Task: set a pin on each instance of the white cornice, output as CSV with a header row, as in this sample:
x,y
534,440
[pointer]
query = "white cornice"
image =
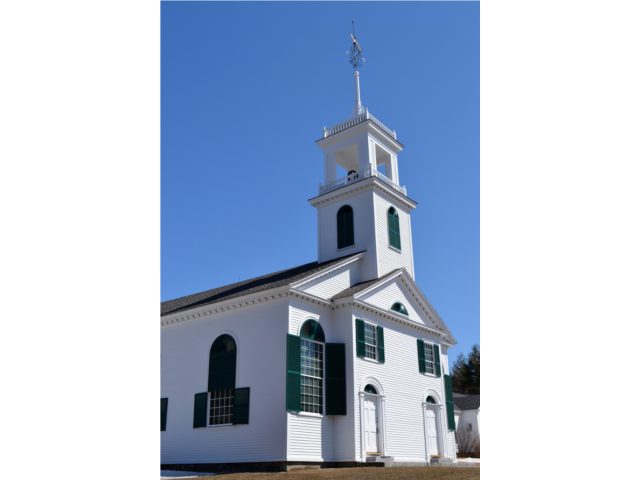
x,y
289,291
372,183
243,301
387,315
226,305
310,298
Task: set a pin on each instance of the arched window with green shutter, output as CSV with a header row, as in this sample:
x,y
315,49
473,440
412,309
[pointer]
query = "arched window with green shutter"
x,y
345,227
400,308
222,404
394,227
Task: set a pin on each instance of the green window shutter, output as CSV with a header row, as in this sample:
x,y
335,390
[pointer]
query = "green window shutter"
x,y
448,390
421,363
359,337
336,380
200,410
293,374
436,351
380,344
393,222
163,414
241,406
392,227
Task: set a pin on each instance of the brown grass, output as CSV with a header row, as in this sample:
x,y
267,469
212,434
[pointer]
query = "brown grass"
x,y
363,473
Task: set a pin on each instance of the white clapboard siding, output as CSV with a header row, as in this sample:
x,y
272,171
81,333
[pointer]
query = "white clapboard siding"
x,y
404,388
260,332
310,437
364,232
328,285
389,258
344,426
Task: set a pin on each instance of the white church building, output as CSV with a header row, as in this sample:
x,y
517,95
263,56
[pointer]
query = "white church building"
x,y
338,362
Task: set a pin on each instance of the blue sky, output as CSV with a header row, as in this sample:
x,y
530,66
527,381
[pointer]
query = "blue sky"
x,y
246,90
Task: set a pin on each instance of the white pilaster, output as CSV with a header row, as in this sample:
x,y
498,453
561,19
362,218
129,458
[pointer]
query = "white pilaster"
x,y
391,167
363,452
329,168
372,154
366,154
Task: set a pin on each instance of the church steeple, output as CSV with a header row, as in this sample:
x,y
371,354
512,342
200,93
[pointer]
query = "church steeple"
x,y
364,209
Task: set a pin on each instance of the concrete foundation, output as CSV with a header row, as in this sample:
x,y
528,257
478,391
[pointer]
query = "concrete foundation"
x,y
289,466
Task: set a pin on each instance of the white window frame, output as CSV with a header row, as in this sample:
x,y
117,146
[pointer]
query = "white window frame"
x,y
209,424
433,355
303,412
375,341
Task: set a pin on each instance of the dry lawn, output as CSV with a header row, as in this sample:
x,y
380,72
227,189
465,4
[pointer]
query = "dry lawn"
x,y
362,473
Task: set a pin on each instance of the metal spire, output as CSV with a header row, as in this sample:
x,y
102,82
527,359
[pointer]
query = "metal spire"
x,y
356,60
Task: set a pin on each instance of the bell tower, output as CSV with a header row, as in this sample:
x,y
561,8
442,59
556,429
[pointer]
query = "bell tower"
x,y
364,209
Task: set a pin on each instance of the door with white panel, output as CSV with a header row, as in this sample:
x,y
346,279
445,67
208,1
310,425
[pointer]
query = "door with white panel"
x,y
371,424
432,431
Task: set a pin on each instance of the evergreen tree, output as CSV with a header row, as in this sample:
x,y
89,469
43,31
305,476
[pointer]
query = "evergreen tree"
x,y
465,376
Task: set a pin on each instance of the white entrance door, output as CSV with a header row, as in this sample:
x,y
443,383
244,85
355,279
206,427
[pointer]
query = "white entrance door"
x,y
370,425
432,432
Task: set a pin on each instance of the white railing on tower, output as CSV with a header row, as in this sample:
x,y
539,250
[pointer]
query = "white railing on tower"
x,y
344,125
356,177
354,121
379,123
390,182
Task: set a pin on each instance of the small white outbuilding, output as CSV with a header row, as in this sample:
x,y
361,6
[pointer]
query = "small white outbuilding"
x,y
334,362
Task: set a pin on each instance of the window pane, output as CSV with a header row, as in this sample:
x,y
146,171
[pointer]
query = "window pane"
x,y
312,368
369,341
428,357
221,407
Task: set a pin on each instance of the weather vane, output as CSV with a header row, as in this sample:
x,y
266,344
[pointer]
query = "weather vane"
x,y
355,55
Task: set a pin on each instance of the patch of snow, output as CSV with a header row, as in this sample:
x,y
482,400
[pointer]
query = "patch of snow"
x,y
168,474
469,460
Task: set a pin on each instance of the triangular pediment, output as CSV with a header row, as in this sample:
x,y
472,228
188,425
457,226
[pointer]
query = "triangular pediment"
x,y
400,287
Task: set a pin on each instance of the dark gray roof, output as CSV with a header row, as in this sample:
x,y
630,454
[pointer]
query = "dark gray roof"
x,y
246,287
466,402
358,287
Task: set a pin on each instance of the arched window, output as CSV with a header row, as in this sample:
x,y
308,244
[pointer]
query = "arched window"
x,y
430,399
345,227
222,381
312,330
222,364
398,307
394,228
370,389
311,366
